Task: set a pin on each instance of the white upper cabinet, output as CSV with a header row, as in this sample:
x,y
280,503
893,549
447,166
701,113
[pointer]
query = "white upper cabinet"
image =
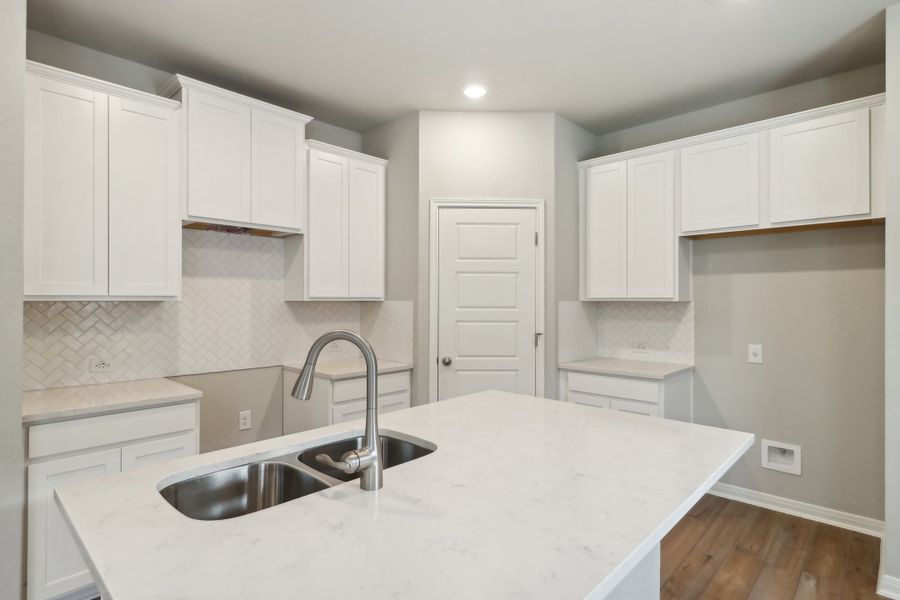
x,y
245,158
101,192
341,256
144,216
278,175
819,168
65,231
630,249
651,226
604,218
720,184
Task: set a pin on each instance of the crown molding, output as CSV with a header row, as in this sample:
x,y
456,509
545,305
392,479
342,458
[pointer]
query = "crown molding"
x,y
317,145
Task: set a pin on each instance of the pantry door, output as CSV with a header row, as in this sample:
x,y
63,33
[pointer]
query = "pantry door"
x,y
487,300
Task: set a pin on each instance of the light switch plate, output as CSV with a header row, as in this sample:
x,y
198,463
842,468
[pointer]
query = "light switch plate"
x,y
754,354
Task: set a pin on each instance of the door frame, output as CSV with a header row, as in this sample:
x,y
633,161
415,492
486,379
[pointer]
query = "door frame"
x,y
437,204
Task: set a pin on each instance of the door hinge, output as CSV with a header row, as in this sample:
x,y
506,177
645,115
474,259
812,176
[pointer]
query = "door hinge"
x,y
535,238
537,337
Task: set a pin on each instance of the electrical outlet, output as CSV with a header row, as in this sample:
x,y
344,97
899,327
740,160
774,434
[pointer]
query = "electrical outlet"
x,y
100,365
244,420
754,354
639,347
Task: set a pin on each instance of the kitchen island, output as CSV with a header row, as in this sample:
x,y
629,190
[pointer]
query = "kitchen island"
x,y
524,497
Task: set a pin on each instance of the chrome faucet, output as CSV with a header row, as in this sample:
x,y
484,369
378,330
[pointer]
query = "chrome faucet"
x,y
367,460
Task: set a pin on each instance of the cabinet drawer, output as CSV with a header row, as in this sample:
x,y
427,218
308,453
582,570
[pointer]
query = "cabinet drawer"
x,y
355,389
357,410
157,451
638,408
619,387
118,428
588,399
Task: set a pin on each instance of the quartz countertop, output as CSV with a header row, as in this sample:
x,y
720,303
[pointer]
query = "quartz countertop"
x,y
348,368
523,498
645,369
88,400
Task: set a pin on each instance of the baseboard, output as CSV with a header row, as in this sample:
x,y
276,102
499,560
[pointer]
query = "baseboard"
x,y
812,512
889,587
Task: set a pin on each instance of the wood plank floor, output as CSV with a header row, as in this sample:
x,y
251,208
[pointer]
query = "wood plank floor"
x,y
727,550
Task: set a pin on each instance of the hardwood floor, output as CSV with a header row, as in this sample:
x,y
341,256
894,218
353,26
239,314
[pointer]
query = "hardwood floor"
x,y
727,550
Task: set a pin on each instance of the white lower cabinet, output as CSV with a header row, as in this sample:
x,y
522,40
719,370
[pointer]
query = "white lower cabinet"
x,y
55,567
670,398
340,401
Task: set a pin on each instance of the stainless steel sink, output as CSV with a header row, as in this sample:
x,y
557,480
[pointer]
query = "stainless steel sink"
x,y
394,451
241,490
245,489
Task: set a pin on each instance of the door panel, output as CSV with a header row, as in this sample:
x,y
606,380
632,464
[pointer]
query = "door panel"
x,y
219,166
327,232
651,226
66,179
144,220
277,170
366,230
487,261
605,236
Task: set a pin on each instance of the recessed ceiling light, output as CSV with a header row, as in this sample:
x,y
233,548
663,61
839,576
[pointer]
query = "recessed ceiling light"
x,y
475,91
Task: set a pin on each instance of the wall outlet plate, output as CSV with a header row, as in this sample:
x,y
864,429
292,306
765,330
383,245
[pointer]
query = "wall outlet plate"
x,y
754,354
100,365
780,456
244,420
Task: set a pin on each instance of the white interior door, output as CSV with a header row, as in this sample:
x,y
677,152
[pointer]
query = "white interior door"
x,y
487,300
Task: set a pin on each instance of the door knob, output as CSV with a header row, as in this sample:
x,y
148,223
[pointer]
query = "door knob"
x,y
446,361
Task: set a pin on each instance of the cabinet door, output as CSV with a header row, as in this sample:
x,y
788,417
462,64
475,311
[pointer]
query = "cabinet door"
x,y
157,451
366,230
65,226
55,564
218,158
820,168
651,226
326,234
277,170
604,242
720,184
144,218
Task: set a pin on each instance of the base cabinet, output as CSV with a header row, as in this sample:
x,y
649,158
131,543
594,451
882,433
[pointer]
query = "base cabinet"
x,y
670,398
56,568
340,401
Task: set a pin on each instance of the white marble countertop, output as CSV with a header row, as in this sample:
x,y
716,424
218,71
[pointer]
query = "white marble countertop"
x,y
644,369
336,369
88,400
523,498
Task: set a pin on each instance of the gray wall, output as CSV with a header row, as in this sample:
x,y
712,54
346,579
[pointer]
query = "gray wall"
x,y
815,301
891,562
226,394
87,61
398,142
477,155
804,96
12,474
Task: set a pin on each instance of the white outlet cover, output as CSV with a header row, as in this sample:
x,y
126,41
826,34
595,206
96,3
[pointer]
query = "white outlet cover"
x,y
244,420
99,365
755,354
781,456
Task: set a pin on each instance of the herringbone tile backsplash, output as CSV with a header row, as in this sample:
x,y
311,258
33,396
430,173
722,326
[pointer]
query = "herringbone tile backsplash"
x,y
231,316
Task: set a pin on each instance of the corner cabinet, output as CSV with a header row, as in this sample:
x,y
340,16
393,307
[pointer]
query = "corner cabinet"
x,y
102,217
629,244
341,255
244,159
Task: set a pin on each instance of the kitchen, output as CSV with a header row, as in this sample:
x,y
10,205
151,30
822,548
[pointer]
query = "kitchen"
x,y
528,264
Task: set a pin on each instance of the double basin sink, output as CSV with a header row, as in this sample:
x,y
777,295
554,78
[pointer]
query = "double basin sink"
x,y
244,489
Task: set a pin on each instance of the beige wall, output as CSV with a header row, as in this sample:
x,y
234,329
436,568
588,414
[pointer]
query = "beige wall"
x,y
815,301
228,393
12,474
87,61
891,562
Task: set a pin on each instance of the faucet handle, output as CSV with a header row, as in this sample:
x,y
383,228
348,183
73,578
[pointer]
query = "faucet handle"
x,y
349,462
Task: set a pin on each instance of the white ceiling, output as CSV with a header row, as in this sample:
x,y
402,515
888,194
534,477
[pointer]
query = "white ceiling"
x,y
605,64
